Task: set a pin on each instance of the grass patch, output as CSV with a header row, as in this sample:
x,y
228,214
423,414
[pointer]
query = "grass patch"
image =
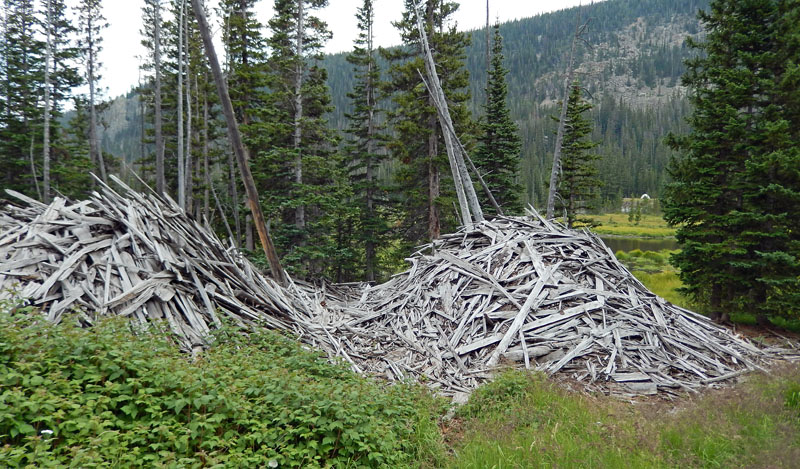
x,y
71,397
523,420
617,224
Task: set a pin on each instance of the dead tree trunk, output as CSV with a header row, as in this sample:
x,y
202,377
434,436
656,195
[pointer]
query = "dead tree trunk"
x,y
94,143
46,130
236,140
300,218
206,169
551,195
181,163
159,135
465,191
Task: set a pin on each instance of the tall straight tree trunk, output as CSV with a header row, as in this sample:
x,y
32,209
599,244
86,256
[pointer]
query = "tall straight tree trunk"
x,y
236,140
159,135
562,120
488,55
189,163
300,217
465,190
181,163
233,192
94,142
434,189
369,247
206,171
46,130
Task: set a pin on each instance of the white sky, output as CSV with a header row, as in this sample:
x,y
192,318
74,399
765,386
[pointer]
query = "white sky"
x,y
121,45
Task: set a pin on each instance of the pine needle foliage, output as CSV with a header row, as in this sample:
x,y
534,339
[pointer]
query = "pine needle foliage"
x,y
579,184
498,153
735,195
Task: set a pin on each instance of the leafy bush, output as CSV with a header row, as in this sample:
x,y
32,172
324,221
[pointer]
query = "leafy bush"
x,y
495,396
71,397
636,253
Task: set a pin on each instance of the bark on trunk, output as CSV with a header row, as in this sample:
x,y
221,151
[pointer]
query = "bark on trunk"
x,y
551,195
300,217
467,197
159,136
181,163
236,140
206,170
46,130
94,144
369,246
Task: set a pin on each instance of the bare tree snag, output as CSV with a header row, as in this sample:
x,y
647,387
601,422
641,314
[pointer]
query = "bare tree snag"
x,y
181,163
159,134
465,190
300,217
238,147
551,195
46,143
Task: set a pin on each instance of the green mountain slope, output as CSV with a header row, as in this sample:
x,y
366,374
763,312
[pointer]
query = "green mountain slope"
x,y
630,66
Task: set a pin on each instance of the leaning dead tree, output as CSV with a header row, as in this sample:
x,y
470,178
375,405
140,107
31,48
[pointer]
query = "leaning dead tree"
x,y
551,196
238,147
465,190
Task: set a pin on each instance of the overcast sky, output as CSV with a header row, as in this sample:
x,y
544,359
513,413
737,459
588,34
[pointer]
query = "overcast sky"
x,y
122,39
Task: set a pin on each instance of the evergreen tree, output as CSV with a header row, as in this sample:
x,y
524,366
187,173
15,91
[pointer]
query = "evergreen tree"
x,y
309,180
422,169
735,190
22,88
92,24
579,184
366,139
246,63
498,154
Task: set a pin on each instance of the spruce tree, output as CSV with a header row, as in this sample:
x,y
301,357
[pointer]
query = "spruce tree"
x,y
92,24
22,85
735,187
771,202
366,138
425,187
579,184
308,184
498,153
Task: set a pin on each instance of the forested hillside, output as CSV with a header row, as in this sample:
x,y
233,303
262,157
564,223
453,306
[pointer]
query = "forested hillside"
x,y
631,65
361,160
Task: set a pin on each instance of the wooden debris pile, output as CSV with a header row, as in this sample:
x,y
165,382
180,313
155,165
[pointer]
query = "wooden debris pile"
x,y
141,257
527,291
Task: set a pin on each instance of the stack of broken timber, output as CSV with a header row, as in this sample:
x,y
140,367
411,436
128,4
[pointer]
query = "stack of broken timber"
x,y
529,291
141,257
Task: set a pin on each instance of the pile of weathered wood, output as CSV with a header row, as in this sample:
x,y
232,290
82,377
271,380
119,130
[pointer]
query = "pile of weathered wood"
x,y
140,256
528,291
520,291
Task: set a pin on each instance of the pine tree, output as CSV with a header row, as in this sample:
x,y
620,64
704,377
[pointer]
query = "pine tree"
x,y
423,175
22,85
246,63
366,139
579,184
309,180
92,24
498,154
734,195
771,202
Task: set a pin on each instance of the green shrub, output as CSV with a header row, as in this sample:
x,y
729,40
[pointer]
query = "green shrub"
x,y
101,397
636,253
621,255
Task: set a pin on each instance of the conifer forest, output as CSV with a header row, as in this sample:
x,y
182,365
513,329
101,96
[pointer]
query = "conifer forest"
x,y
423,211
